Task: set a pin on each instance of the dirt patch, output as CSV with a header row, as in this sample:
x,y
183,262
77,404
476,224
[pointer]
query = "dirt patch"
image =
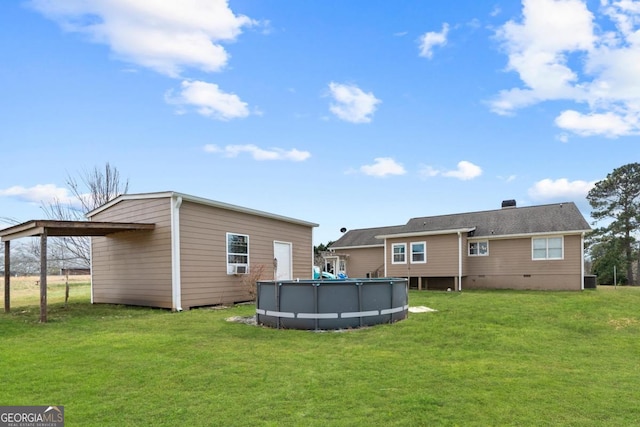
x,y
622,323
246,320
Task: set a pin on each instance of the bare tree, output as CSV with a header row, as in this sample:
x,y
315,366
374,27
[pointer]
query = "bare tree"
x,y
93,189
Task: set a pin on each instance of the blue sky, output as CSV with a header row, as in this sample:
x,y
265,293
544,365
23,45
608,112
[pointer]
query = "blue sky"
x,y
346,113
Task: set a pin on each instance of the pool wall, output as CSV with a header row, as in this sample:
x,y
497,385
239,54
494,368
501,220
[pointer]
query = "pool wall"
x,y
331,304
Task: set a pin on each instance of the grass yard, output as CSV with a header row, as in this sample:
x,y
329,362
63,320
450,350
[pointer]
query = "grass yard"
x,y
485,358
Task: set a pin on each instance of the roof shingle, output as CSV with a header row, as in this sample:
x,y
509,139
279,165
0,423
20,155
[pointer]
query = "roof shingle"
x,y
552,218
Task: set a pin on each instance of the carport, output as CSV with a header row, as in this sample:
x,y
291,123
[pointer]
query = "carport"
x,y
53,228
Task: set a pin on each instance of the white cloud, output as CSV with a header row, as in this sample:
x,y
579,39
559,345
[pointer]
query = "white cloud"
x,y
258,153
429,171
166,36
432,39
351,103
560,189
560,53
509,178
208,100
383,166
608,124
41,193
465,171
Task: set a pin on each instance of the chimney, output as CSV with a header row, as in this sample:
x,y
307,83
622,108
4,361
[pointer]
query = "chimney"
x,y
511,203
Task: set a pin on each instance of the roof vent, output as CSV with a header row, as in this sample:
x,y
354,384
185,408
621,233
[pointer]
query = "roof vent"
x,y
508,204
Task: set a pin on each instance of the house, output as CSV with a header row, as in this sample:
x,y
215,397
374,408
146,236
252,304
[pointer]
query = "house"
x,y
534,247
197,254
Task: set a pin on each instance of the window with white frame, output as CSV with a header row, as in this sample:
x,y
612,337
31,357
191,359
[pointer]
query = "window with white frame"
x,y
547,248
399,251
418,252
479,248
237,253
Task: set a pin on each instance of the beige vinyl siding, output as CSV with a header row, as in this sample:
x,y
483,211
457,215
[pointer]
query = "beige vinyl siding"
x,y
134,267
362,261
510,265
442,257
203,243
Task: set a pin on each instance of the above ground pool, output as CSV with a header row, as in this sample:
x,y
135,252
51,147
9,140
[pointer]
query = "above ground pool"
x,y
331,304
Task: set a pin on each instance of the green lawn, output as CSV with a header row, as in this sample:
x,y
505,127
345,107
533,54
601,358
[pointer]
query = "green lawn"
x,y
485,358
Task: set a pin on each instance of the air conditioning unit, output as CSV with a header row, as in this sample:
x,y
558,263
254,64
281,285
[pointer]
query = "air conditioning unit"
x,y
239,269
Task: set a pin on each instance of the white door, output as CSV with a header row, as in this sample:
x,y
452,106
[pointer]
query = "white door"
x,y
282,260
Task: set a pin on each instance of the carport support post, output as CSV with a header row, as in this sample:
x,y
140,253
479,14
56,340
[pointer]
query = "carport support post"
x,y
7,277
43,277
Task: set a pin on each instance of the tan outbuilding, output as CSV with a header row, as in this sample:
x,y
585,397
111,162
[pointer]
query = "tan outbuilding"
x,y
196,255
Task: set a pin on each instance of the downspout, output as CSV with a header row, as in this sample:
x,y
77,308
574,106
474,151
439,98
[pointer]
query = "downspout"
x,y
385,258
582,261
459,261
176,288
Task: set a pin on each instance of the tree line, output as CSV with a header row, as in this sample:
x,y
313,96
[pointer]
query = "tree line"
x,y
614,246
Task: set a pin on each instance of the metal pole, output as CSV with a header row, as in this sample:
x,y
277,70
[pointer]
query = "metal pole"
x,y
359,287
43,277
277,289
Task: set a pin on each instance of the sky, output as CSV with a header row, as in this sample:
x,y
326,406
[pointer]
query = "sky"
x,y
351,114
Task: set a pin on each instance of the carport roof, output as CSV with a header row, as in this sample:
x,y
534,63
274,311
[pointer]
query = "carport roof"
x,y
56,228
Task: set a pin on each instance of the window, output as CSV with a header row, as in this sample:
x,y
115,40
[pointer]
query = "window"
x,y
547,248
418,252
480,248
237,253
399,253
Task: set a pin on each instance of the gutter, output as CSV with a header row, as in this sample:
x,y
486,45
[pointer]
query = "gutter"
x,y
426,233
582,261
459,261
176,286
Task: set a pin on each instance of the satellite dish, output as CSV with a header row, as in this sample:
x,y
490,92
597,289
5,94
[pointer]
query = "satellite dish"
x,y
343,230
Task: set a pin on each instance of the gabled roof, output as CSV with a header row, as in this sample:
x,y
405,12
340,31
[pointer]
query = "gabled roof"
x,y
199,200
562,218
363,237
559,217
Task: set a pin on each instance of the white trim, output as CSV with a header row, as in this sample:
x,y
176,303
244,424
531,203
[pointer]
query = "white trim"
x,y
424,244
425,233
469,242
527,235
201,201
230,264
176,285
332,248
393,254
554,236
